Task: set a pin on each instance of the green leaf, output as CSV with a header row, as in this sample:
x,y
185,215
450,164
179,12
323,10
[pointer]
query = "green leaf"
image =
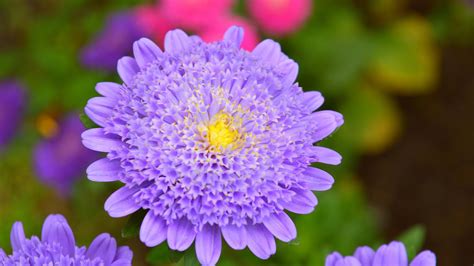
x,y
86,121
190,258
132,228
413,239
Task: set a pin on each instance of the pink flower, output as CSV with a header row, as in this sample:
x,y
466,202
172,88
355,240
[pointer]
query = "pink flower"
x,y
215,31
150,18
280,17
195,14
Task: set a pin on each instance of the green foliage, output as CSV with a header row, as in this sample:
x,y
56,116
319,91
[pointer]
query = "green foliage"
x,y
413,239
132,228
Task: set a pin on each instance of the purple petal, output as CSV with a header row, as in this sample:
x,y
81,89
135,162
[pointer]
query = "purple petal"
x,y
392,254
145,51
17,236
104,247
122,262
121,202
153,230
325,155
99,109
281,226
268,51
303,202
327,122
332,259
365,255
317,179
234,35
97,140
123,253
109,89
127,68
292,73
177,41
312,100
3,255
425,258
262,243
181,234
104,170
235,236
348,261
57,230
208,245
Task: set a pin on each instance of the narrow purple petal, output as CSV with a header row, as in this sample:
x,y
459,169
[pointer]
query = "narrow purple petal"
x,y
425,258
176,41
391,254
99,109
3,255
181,234
124,253
325,155
153,230
104,247
268,51
262,243
365,255
109,89
333,258
122,262
208,245
97,140
281,226
234,35
17,236
317,179
349,261
121,202
127,68
303,202
235,236
292,68
145,51
57,230
327,122
104,170
312,100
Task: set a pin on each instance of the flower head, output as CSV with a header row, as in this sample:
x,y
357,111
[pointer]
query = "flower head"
x,y
280,17
213,140
12,103
393,254
194,14
57,246
113,42
61,158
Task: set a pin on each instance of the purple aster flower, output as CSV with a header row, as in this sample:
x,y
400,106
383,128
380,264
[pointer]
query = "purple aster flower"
x,y
12,103
115,40
61,159
393,254
213,140
57,246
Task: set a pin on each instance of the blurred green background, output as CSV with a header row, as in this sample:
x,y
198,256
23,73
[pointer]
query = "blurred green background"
x,y
401,72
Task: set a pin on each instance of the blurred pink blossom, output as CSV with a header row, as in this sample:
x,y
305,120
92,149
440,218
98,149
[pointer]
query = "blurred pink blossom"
x,y
151,20
215,31
195,14
280,17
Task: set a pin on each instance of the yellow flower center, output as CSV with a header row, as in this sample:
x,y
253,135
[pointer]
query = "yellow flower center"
x,y
221,133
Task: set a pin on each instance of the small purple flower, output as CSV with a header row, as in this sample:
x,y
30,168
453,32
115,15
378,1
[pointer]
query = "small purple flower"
x,y
393,254
213,140
57,246
61,159
12,103
113,42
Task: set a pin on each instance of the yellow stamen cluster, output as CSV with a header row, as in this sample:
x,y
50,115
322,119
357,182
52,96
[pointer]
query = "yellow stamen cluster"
x,y
221,132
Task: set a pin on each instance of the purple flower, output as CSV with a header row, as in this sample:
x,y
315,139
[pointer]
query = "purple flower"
x,y
393,254
12,103
61,159
57,246
213,140
115,40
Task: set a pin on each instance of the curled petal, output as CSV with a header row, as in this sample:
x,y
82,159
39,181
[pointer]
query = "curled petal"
x,y
332,259
121,202
177,41
145,51
208,245
235,236
393,253
104,170
109,89
124,254
262,243
317,179
348,261
425,258
127,68
180,235
153,230
234,35
325,155
268,51
327,121
303,202
281,226
103,247
57,230
97,140
365,255
312,100
99,110
17,236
